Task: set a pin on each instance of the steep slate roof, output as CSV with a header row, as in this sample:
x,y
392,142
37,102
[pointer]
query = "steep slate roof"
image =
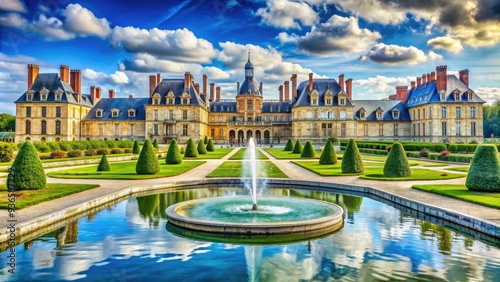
x,y
122,104
249,87
52,82
276,107
371,106
321,85
177,87
417,96
223,107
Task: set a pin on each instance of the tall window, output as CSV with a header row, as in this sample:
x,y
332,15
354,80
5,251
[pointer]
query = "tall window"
x,y
430,112
430,128
171,114
443,128
249,105
221,133
28,111
44,127
184,114
473,112
458,127
443,112
342,114
458,111
423,129
418,129
212,133
328,101
170,101
58,127
28,127
44,111
473,128
58,111
343,129
185,101
184,129
87,128
101,129
132,130
381,130
117,129
418,113
155,129
396,133
156,114
365,129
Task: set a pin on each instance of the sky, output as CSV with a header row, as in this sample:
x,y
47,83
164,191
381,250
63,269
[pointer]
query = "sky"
x,y
381,44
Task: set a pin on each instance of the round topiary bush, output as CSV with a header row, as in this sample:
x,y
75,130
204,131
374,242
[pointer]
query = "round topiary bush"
x,y
210,145
202,150
396,164
308,151
174,155
191,151
103,164
155,144
484,172
289,145
328,155
297,149
27,172
136,150
351,161
147,162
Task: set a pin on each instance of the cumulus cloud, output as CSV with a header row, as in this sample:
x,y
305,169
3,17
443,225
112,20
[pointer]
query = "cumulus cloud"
x,y
83,22
378,87
13,20
119,77
446,43
395,54
51,28
288,14
234,55
286,38
337,35
489,94
13,6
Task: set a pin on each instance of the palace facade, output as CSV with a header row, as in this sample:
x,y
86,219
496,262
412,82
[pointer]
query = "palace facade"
x,y
438,107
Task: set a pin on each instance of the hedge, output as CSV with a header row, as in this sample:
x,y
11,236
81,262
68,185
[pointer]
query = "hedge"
x,y
289,145
6,152
210,145
174,155
328,155
27,172
396,164
136,150
191,150
351,160
308,151
147,162
484,172
47,147
202,150
297,149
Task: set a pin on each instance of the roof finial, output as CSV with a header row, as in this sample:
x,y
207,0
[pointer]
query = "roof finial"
x,y
249,55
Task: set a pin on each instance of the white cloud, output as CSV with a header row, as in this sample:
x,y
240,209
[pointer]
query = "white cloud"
x,y
83,22
13,6
51,29
288,14
378,87
447,43
395,54
234,55
489,94
286,38
13,20
119,77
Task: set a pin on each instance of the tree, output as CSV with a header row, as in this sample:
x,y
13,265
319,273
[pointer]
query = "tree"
x,y
147,162
396,164
103,164
7,122
308,151
191,150
210,145
137,149
289,145
6,152
297,149
202,150
205,140
484,172
27,171
155,144
328,156
351,161
174,155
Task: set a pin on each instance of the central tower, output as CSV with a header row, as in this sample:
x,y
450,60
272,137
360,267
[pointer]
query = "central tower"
x,y
249,98
249,86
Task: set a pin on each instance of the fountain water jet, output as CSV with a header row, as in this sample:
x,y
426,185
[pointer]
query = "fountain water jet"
x,y
253,170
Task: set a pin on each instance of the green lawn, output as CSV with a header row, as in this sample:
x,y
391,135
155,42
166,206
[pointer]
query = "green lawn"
x,y
285,155
377,158
331,170
68,159
461,192
462,169
26,198
219,153
240,155
125,170
234,169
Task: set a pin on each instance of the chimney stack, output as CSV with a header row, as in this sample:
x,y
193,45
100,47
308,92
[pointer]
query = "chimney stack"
x,y
205,85
412,84
260,88
130,96
111,94
152,85
464,76
428,77
280,89
93,95
310,81
402,93
294,87
442,73
32,74
286,96
187,80
217,98
212,91
98,93
76,80
419,81
348,88
197,87
433,76
158,79
424,78
341,81
64,73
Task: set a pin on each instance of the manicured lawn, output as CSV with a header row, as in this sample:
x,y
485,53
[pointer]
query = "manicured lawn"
x,y
26,198
416,174
461,192
240,155
376,158
69,159
285,155
332,170
125,170
462,169
234,169
217,154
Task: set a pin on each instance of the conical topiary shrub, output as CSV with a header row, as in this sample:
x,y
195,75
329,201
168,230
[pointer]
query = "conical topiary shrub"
x,y
147,162
328,156
202,150
210,145
174,155
103,164
396,164
191,151
136,150
351,161
205,140
484,172
308,151
289,145
297,149
27,172
155,144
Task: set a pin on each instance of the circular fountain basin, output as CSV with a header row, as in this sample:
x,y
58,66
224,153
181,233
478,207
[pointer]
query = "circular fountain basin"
x,y
276,215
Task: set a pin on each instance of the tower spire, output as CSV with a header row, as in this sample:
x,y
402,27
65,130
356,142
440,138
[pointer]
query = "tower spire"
x,y
249,55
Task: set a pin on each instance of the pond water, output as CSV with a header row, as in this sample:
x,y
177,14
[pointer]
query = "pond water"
x,y
130,242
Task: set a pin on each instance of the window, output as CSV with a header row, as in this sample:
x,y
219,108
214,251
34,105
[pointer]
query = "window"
x,y
156,114
98,113
342,114
443,128
58,127
44,111
443,112
473,128
184,114
309,114
114,113
212,119
414,130
430,128
170,101
44,127
101,129
458,127
343,129
395,114
430,112
29,97
423,129
457,97
380,130
43,96
185,101
365,129
362,114
58,96
155,129
184,129
418,113
74,112
58,112
156,101
171,114
328,101
131,113
379,114
314,101
472,112
132,130
28,127
342,101
249,105
458,112
443,96
220,118
418,129
117,129
471,96
221,133
330,115
396,129
87,128
28,111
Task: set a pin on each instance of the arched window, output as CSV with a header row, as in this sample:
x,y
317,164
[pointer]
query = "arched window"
x,y
249,105
58,127
323,114
28,127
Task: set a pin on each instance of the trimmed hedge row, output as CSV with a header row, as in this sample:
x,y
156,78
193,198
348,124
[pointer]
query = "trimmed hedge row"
x,y
48,147
418,146
373,151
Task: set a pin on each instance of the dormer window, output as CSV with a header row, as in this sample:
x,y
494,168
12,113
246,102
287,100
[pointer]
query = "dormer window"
x,y
115,112
342,101
395,114
170,101
156,99
58,94
29,95
131,113
342,98
185,98
362,113
380,114
98,113
328,98
456,94
470,95
314,98
170,98
43,94
442,95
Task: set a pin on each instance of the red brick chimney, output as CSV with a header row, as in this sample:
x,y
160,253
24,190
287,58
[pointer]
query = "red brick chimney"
x,y
98,93
197,87
158,78
205,84
217,90
212,91
428,77
419,81
442,73
93,95
76,80
111,94
130,96
187,80
294,87
64,73
152,85
433,76
310,81
286,95
32,74
412,84
464,76
424,78
402,93
280,89
341,81
348,88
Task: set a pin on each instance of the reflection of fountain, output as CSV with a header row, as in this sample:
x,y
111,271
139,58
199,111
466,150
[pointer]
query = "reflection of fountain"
x,y
253,256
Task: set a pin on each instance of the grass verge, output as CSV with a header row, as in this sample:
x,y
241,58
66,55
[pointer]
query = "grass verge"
x,y
462,169
416,174
286,155
219,153
240,155
331,170
235,169
461,192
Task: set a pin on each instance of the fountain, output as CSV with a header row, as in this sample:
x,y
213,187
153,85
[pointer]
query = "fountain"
x,y
241,215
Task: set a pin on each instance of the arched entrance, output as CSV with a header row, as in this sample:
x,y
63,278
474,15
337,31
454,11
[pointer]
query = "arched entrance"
x,y
232,136
241,136
266,137
257,136
249,135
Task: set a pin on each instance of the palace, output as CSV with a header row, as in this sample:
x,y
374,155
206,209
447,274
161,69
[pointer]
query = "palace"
x,y
438,107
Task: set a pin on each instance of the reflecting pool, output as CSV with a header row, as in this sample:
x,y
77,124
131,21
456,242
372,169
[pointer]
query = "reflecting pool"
x,y
130,241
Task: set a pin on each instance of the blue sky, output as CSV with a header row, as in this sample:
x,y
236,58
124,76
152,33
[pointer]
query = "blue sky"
x,y
378,43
